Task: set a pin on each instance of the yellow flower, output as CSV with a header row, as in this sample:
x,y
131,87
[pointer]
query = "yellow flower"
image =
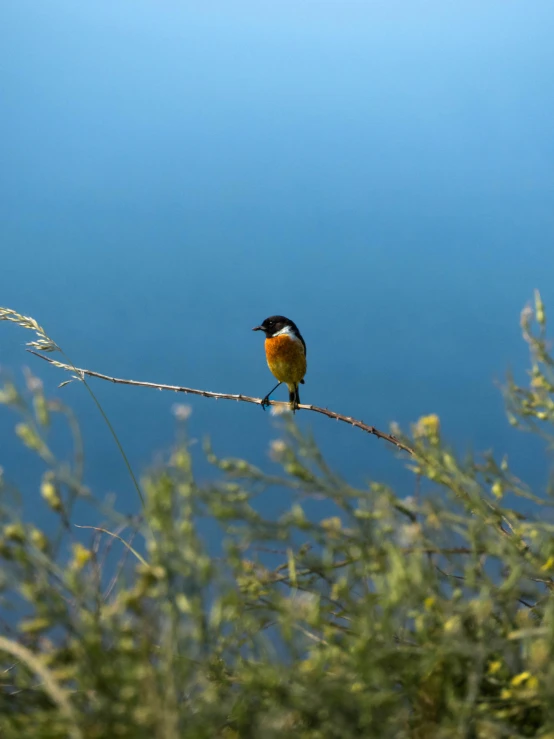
x,y
428,427
331,524
521,678
539,309
81,555
50,494
452,625
497,489
530,682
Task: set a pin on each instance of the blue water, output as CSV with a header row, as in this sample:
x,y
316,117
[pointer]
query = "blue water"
x,y
172,173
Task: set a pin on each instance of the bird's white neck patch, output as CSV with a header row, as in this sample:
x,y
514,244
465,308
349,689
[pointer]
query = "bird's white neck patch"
x,y
287,331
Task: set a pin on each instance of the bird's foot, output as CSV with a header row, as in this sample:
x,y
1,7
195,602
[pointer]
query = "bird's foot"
x,y
265,402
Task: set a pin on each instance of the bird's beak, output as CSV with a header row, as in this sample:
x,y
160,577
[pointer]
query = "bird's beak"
x,y
258,328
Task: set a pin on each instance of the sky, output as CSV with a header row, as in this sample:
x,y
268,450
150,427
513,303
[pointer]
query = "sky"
x,y
172,173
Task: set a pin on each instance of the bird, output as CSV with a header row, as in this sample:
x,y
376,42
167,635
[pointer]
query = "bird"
x,y
285,351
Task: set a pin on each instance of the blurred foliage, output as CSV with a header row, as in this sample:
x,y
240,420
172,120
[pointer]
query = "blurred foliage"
x,y
428,616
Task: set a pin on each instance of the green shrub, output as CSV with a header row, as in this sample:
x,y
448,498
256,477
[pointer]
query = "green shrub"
x,y
429,616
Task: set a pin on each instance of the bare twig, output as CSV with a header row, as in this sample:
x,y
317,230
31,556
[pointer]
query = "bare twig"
x,y
227,396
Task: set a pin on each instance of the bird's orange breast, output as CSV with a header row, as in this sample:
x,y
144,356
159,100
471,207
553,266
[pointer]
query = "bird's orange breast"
x,y
286,358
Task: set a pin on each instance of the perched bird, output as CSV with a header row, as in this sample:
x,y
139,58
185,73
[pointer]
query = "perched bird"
x,y
285,351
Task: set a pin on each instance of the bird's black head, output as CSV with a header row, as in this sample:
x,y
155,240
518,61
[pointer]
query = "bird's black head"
x,y
274,324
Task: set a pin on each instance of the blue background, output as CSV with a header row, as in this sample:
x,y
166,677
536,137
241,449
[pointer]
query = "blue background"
x,y
174,172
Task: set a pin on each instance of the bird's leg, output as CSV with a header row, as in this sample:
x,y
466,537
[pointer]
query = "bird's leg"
x,y
294,397
265,401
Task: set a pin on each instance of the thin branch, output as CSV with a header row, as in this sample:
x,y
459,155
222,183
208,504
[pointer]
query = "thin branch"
x,y
227,396
116,536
